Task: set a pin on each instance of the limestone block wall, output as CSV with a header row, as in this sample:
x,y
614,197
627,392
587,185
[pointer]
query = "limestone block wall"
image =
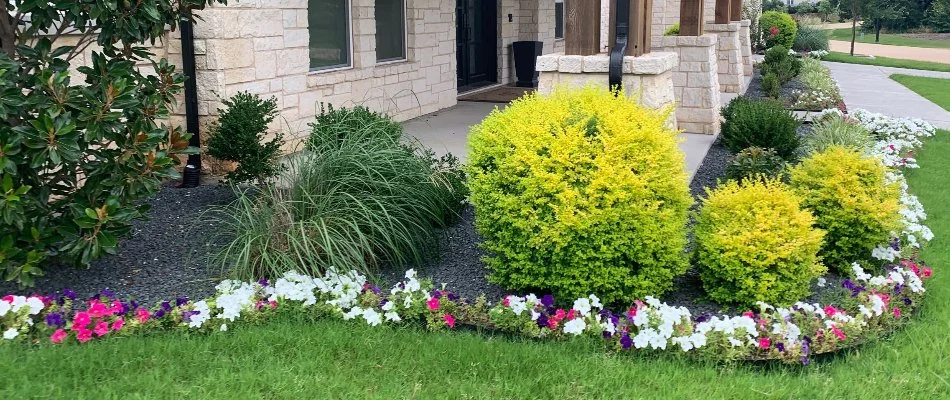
x,y
648,78
745,42
262,46
730,56
695,81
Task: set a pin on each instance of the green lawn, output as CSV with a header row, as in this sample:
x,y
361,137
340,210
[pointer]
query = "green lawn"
x,y
936,90
888,39
886,62
332,359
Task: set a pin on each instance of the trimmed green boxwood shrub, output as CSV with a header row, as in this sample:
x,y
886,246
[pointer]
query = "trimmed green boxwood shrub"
x,y
580,193
761,123
777,61
755,243
778,28
852,200
240,133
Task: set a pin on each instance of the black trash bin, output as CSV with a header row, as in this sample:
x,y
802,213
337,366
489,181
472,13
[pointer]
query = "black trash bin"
x,y
526,58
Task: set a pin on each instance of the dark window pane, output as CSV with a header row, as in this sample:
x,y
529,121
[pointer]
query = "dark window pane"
x,y
558,20
329,22
390,30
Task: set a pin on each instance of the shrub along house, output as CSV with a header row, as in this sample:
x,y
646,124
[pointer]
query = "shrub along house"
x,y
404,58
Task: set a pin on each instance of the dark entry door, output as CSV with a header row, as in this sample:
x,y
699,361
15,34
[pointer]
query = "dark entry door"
x,y
476,43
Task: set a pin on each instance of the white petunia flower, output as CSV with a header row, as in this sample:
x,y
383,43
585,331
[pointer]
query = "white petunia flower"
x,y
4,308
575,326
372,317
10,334
582,305
224,328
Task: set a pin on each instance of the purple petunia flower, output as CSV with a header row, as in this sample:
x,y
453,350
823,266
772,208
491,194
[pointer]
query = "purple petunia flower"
x,y
547,300
702,318
453,296
69,294
437,294
907,301
108,293
625,341
780,346
186,316
896,244
181,301
133,305
383,302
804,360
263,282
898,288
166,306
607,335
55,319
542,321
160,313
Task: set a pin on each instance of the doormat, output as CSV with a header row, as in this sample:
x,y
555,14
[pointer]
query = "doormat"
x,y
502,94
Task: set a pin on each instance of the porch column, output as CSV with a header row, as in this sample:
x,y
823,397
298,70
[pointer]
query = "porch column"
x,y
729,48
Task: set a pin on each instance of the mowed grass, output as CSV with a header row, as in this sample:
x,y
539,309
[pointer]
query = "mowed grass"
x,y
886,62
334,359
844,34
936,90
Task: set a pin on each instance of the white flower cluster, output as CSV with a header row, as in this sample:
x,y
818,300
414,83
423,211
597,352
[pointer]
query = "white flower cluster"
x,y
18,311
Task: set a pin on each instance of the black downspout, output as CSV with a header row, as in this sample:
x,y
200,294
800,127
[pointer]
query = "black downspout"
x,y
615,73
193,168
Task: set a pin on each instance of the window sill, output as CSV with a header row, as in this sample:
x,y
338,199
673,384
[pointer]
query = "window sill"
x,y
329,70
392,62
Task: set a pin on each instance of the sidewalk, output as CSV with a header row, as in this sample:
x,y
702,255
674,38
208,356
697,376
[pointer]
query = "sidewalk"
x,y
869,87
902,52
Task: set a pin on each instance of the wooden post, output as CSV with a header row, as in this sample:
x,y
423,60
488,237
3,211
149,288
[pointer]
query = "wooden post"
x,y
735,12
723,10
641,22
691,18
582,27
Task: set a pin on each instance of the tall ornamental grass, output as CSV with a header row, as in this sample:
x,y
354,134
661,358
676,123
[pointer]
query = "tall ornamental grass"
x,y
351,201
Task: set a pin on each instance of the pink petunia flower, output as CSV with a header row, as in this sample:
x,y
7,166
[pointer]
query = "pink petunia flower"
x,y
897,312
433,304
273,305
764,343
118,324
552,323
837,332
142,314
81,321
830,310
632,312
505,302
570,314
560,314
102,329
449,320
749,314
58,336
84,335
97,309
116,307
927,272
8,298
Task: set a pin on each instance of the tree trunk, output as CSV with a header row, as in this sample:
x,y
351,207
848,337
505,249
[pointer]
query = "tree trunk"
x,y
877,32
7,34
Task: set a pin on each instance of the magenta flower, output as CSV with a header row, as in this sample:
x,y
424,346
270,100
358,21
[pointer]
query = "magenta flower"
x,y
764,343
118,324
97,309
102,329
449,320
84,335
897,312
433,304
838,333
142,314
58,336
830,310
81,321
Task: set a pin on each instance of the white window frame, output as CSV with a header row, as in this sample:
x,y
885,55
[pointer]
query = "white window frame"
x,y
349,43
405,36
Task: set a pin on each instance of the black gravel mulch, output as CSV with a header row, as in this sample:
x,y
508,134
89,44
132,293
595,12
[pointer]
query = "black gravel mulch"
x,y
162,258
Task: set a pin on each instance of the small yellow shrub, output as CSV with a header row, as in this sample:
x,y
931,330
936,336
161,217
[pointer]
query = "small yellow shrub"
x,y
755,243
852,200
580,192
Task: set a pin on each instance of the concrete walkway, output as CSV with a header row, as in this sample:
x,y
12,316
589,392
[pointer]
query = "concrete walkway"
x,y
902,52
446,131
869,87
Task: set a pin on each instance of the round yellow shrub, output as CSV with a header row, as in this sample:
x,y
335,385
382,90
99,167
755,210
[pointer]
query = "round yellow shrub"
x,y
851,199
580,192
754,242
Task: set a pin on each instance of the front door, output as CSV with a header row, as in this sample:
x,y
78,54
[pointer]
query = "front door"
x,y
476,43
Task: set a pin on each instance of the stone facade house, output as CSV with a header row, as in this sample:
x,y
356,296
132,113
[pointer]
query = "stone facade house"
x,y
404,58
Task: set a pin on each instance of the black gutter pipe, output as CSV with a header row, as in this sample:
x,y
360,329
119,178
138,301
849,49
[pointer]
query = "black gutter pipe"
x,y
615,73
193,168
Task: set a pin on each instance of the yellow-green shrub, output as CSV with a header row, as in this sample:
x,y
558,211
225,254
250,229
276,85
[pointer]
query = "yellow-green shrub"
x,y
580,192
754,242
852,201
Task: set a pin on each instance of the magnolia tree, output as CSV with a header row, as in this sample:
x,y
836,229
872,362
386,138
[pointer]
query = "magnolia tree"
x,y
76,155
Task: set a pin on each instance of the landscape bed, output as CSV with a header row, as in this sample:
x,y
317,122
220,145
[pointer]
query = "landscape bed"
x,y
880,302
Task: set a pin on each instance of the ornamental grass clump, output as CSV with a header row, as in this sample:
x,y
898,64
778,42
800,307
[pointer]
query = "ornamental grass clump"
x,y
352,201
754,242
580,192
837,131
760,123
852,199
